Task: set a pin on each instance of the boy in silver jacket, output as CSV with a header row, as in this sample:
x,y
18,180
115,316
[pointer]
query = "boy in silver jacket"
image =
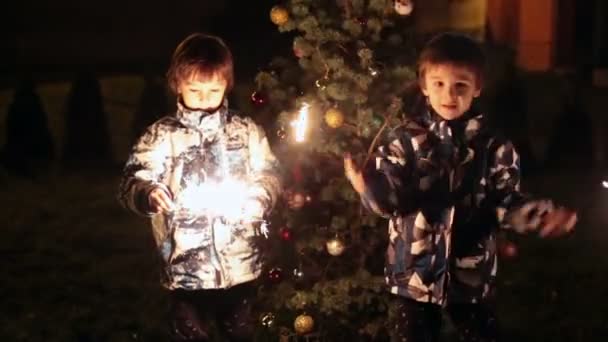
x,y
206,177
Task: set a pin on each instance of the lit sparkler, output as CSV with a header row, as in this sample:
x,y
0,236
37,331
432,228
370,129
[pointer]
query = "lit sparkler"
x,y
300,123
227,198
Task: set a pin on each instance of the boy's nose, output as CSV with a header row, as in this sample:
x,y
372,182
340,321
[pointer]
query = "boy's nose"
x,y
452,93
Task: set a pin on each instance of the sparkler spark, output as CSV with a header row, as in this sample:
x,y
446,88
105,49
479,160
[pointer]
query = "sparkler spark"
x,y
227,198
300,123
605,184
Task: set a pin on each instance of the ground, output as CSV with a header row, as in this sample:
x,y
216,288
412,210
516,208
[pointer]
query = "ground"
x,y
77,267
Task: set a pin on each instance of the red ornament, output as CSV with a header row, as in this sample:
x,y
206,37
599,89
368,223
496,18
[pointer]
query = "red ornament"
x,y
507,249
285,234
275,275
258,98
297,200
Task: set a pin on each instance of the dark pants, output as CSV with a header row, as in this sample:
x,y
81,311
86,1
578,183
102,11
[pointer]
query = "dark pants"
x,y
192,312
421,322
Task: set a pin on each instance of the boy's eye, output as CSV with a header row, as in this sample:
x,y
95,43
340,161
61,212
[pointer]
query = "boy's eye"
x,y
438,84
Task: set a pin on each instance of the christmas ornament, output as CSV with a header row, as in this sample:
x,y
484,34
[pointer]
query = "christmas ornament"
x,y
297,200
275,275
507,249
334,118
258,98
362,21
301,47
267,319
404,7
335,246
303,324
285,234
279,15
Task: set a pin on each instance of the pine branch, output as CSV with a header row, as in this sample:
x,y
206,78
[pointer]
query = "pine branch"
x,y
347,6
394,108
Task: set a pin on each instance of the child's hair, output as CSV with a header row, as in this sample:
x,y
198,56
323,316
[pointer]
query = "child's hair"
x,y
202,56
455,49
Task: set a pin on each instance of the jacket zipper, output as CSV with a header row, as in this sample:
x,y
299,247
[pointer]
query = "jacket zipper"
x,y
222,274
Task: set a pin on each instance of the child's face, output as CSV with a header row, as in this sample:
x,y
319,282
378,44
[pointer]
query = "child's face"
x,y
450,89
203,94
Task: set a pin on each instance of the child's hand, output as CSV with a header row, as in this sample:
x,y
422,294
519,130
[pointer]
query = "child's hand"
x,y
160,201
353,174
558,222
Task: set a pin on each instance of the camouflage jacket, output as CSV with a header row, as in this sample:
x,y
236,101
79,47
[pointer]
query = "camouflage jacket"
x,y
446,186
198,151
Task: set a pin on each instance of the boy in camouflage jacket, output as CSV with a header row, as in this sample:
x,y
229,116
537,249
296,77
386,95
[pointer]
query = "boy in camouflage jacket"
x,y
445,183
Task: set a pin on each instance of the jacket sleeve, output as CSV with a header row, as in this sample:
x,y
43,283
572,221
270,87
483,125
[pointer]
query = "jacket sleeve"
x,y
265,169
143,170
390,182
515,210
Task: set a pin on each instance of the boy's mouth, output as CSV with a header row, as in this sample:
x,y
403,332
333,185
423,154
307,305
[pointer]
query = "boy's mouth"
x,y
449,106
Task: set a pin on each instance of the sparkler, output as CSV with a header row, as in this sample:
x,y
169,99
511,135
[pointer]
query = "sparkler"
x,y
227,199
300,123
605,184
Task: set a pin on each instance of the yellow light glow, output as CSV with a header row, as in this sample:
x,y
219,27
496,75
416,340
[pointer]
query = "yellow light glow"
x,y
301,123
227,199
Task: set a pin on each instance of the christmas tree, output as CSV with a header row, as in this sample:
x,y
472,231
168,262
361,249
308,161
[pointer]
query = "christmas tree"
x,y
340,93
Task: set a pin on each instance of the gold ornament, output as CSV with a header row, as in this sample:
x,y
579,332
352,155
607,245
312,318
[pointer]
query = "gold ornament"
x,y
335,246
279,15
303,324
334,118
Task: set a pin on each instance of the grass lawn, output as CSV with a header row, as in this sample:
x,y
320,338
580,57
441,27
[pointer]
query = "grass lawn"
x,y
77,267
